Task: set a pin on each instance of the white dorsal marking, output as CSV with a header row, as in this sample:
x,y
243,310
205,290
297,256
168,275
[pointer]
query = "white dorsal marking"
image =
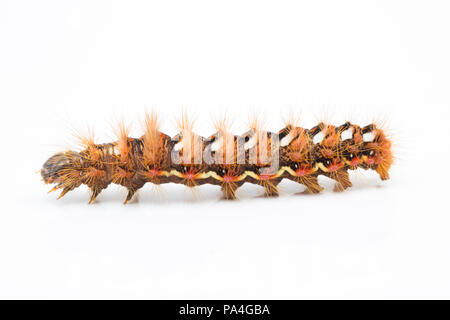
x,y
319,137
368,137
287,140
347,134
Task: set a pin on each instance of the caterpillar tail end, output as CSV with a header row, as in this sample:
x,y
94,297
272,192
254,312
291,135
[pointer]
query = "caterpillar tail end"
x,y
60,169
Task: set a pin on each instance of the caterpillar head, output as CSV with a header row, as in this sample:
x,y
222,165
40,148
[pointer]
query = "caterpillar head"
x,y
61,167
377,151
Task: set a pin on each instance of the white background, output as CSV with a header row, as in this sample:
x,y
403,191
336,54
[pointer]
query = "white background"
x,y
66,65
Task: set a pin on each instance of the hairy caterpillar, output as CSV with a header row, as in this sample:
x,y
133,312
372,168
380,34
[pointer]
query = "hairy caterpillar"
x,y
258,157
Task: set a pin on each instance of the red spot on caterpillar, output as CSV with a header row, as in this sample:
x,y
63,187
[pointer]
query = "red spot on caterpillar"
x,y
190,175
333,167
336,164
229,178
303,171
355,161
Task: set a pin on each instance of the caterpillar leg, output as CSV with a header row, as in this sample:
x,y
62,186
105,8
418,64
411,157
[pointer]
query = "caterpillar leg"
x,y
95,192
382,172
342,180
311,184
63,193
229,190
130,195
270,188
65,190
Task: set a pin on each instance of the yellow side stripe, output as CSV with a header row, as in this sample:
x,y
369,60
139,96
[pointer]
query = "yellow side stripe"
x,y
213,174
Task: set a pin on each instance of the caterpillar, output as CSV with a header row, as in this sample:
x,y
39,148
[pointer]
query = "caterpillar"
x,y
223,159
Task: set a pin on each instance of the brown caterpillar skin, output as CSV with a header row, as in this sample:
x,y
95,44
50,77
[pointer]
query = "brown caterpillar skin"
x,y
132,163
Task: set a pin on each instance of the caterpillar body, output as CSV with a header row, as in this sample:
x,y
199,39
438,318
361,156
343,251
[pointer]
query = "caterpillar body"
x,y
226,160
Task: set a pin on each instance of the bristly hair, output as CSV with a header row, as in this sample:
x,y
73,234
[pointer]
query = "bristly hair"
x,y
153,152
257,124
223,123
384,147
86,139
123,146
300,147
86,142
292,119
186,122
227,146
191,152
